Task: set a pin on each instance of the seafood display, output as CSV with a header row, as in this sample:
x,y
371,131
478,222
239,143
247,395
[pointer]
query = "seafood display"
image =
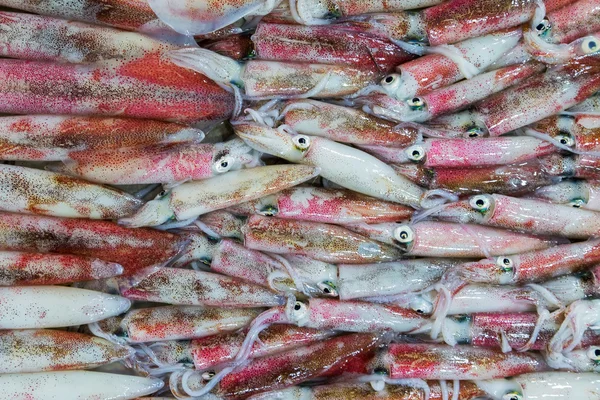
x,y
300,200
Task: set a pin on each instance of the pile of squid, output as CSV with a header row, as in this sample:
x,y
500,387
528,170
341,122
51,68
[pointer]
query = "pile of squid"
x,y
300,199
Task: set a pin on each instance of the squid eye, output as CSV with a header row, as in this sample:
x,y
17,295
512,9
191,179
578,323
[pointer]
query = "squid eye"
x,y
577,203
416,104
224,164
593,353
590,45
415,153
162,194
543,26
480,203
404,234
512,396
567,140
302,142
208,375
269,211
421,306
390,80
474,132
328,288
505,264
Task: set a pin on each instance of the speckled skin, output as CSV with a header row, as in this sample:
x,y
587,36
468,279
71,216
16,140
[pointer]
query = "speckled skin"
x,y
52,269
182,322
32,37
427,361
34,191
213,350
589,105
390,279
344,8
147,87
443,239
76,385
584,129
189,287
504,179
535,266
526,215
434,71
162,163
573,21
52,138
324,242
132,249
53,350
34,307
364,391
330,44
333,206
469,153
458,20
274,79
289,368
337,163
540,96
345,124
582,193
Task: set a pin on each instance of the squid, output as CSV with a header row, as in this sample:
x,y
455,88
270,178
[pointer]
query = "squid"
x,y
575,193
577,133
33,191
186,202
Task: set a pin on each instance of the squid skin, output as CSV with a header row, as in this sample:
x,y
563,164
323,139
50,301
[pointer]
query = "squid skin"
x,y
513,179
133,249
378,180
31,37
147,87
580,132
54,350
431,361
436,70
534,266
33,191
34,307
189,287
74,385
524,215
284,369
431,239
173,323
162,163
333,206
336,44
195,198
53,138
345,125
576,193
18,269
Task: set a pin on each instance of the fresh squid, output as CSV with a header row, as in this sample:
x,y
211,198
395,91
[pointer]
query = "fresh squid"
x,y
35,307
524,215
188,287
275,79
172,323
451,98
133,249
576,193
466,153
54,350
192,199
337,162
33,37
20,269
33,191
431,239
345,125
581,133
53,138
332,206
163,163
147,87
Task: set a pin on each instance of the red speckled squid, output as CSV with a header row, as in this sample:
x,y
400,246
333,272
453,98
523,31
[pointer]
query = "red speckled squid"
x,y
576,193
